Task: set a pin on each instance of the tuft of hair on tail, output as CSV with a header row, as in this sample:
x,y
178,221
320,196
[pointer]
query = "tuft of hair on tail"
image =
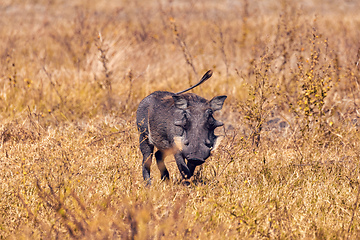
x,y
206,76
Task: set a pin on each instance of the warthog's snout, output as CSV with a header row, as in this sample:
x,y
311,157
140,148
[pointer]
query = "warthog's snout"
x,y
196,161
181,124
197,154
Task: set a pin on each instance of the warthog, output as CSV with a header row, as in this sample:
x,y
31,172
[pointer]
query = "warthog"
x,y
181,124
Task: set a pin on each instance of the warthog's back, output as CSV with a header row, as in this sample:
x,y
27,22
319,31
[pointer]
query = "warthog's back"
x,y
156,115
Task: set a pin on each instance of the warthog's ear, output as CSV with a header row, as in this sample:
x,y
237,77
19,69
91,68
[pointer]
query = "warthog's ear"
x,y
217,102
180,102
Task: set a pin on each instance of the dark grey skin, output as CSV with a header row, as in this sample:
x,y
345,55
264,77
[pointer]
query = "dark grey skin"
x,y
181,124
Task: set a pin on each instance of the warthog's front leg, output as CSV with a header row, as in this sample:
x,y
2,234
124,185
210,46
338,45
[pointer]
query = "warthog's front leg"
x,y
161,165
191,168
180,161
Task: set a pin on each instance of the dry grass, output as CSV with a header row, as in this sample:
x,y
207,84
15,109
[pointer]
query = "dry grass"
x,y
72,75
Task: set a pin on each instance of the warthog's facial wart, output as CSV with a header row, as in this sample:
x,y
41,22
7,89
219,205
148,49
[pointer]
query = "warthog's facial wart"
x,y
178,124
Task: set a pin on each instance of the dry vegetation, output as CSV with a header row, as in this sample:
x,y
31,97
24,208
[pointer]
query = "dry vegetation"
x,y
73,72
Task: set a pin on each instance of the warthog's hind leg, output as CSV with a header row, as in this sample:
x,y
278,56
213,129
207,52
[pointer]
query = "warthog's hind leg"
x,y
146,149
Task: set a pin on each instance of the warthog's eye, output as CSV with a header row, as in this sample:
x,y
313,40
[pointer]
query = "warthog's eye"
x,y
210,123
208,113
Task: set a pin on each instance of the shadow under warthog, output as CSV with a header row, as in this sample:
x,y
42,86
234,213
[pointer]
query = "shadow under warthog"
x,y
181,124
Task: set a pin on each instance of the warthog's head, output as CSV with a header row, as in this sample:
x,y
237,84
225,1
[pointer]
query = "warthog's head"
x,y
195,125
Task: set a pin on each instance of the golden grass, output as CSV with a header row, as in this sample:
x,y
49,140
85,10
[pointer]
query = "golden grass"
x,y
73,72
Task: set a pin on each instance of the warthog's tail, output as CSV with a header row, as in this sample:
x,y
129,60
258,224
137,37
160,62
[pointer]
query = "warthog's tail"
x,y
206,76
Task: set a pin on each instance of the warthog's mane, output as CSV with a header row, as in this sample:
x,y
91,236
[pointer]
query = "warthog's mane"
x,y
190,97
